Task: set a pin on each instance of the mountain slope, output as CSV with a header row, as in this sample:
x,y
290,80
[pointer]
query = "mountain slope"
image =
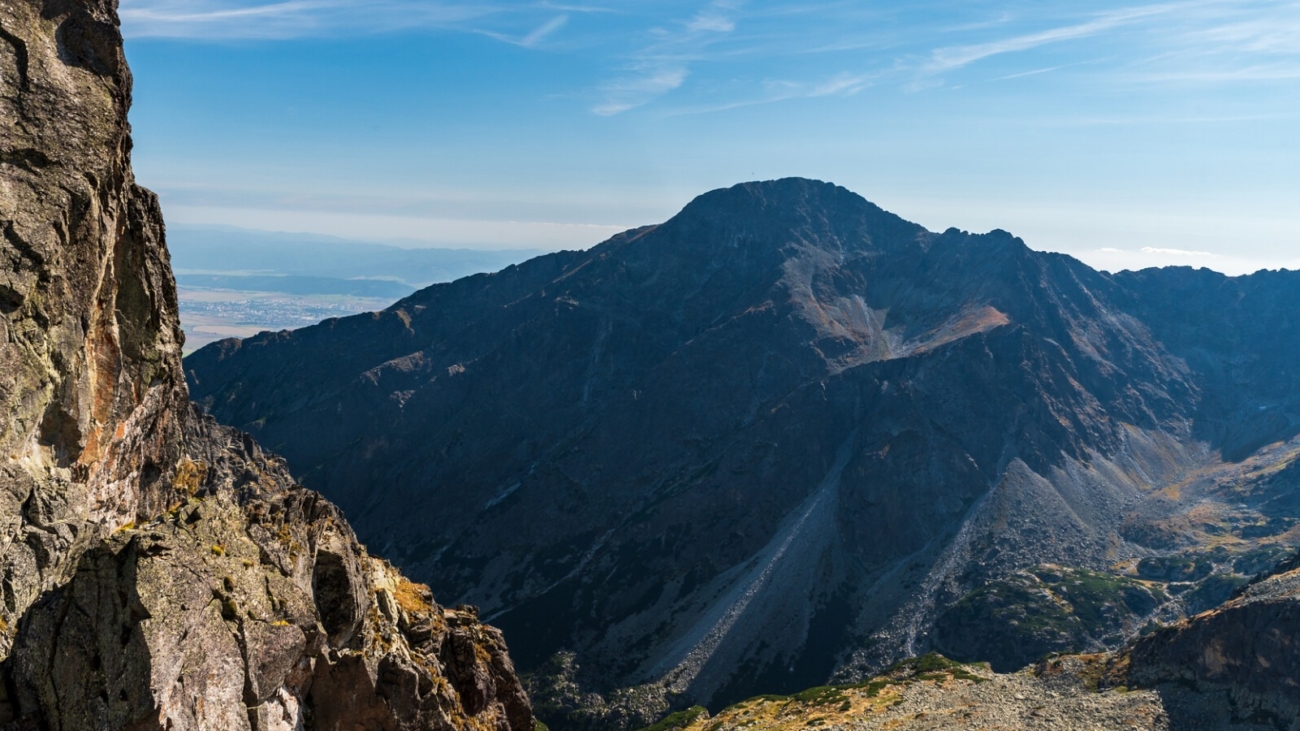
x,y
159,570
769,441
1233,667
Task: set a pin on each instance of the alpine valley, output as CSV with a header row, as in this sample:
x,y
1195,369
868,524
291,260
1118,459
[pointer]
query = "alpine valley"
x,y
788,439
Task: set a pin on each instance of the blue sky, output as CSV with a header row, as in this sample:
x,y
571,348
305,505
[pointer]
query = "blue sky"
x,y
1125,134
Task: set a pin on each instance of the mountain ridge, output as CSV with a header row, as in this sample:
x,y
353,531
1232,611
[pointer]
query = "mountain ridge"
x,y
640,445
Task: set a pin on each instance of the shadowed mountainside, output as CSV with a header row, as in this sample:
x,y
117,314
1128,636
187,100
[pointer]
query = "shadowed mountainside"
x,y
780,437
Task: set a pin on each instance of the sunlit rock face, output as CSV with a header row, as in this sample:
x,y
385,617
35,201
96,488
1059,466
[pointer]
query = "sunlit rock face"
x,y
159,570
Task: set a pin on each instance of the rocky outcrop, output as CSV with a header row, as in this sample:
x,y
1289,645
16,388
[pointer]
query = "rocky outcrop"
x,y
1246,651
934,694
1043,611
159,570
90,384
249,604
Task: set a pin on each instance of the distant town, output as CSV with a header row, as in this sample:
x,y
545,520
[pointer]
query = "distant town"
x,y
211,315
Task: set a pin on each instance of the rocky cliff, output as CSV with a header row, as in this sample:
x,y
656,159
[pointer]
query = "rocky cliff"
x,y
1244,655
787,436
158,570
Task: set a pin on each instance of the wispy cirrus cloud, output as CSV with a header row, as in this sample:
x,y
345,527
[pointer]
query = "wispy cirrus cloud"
x,y
663,64
572,8
639,86
244,19
532,38
641,53
954,57
1205,41
780,90
1225,41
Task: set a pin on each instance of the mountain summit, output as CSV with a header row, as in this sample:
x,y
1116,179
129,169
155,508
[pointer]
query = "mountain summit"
x,y
787,436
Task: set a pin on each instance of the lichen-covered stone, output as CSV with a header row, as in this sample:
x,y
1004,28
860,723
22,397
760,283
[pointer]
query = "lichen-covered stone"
x,y
158,570
215,615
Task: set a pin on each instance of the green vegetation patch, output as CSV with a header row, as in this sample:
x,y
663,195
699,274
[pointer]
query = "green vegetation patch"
x,y
1094,596
927,663
932,667
1184,567
820,696
1024,617
679,720
1213,591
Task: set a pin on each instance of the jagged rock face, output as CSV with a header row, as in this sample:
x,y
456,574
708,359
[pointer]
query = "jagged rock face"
x,y
250,606
772,439
90,382
158,570
1246,651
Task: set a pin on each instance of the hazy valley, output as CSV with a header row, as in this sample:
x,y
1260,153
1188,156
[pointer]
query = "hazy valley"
x,y
236,282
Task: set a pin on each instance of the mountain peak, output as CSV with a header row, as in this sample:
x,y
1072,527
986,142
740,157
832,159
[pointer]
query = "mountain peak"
x,y
782,197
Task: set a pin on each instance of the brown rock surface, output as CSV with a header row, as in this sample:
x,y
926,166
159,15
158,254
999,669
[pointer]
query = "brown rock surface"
x,y
158,570
1247,650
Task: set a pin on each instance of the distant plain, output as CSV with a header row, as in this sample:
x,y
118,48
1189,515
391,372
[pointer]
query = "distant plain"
x,y
235,282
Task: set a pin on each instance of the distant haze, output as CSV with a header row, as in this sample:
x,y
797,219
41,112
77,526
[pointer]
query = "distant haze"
x,y
237,282
230,251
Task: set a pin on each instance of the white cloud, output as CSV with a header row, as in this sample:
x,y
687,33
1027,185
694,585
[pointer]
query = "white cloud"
x,y
663,64
645,51
1033,72
1175,252
241,19
842,84
711,22
632,91
533,37
569,8
946,59
839,84
544,30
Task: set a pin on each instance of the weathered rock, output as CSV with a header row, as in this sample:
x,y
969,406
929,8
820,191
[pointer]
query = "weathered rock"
x,y
90,384
158,570
1247,650
934,694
